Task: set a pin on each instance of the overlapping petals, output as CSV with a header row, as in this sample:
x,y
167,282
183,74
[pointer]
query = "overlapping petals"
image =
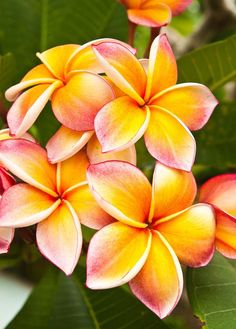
x,y
154,105
153,229
220,192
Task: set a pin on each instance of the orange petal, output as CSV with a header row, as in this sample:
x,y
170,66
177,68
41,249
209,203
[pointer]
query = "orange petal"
x,y
123,68
169,140
122,190
153,14
6,180
191,233
72,172
220,191
23,205
76,104
87,209
55,59
159,284
131,3
120,124
161,56
172,190
225,234
38,75
28,161
116,254
177,6
192,103
59,238
27,107
6,237
65,143
95,155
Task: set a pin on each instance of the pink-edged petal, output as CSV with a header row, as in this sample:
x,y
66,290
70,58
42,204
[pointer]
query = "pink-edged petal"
x,y
122,190
38,75
65,143
6,180
120,124
55,59
192,103
123,68
6,237
191,233
152,14
169,140
172,190
76,104
220,191
225,234
161,56
29,162
95,155
59,238
159,284
5,134
177,6
27,107
23,205
116,254
87,209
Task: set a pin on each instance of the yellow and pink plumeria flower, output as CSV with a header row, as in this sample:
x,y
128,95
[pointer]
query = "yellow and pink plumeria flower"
x,y
56,197
67,77
152,104
154,13
155,228
220,191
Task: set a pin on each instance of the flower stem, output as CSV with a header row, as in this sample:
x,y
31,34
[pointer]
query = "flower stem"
x,y
155,31
131,33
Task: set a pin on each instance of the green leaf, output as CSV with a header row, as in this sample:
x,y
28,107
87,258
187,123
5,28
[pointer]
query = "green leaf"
x,y
212,291
63,302
212,65
7,68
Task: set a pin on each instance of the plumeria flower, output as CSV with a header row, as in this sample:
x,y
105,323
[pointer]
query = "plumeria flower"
x,y
154,13
153,104
6,181
155,226
220,191
67,77
55,197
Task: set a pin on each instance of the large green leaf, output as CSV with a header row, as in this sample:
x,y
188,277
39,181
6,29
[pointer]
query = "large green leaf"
x,y
63,302
212,65
212,291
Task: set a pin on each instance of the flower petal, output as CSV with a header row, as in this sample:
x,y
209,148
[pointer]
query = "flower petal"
x,y
38,75
169,140
131,3
65,143
95,155
159,284
6,180
220,191
120,124
116,254
55,59
28,161
72,172
122,190
23,205
191,230
225,234
5,134
76,104
161,55
192,103
153,14
172,190
27,107
59,238
123,68
6,237
177,6
87,209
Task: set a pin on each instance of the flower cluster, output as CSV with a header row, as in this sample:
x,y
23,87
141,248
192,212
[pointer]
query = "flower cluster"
x,y
106,100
